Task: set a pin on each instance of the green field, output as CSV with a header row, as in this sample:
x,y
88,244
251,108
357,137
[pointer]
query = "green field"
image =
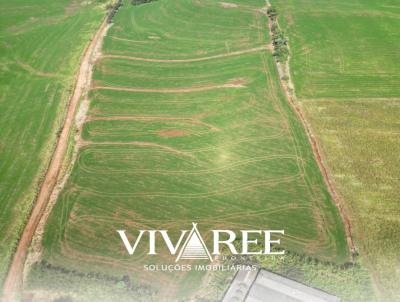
x,y
187,122
346,70
41,43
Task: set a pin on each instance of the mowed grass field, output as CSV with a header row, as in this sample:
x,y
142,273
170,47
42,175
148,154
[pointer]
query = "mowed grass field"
x,y
41,43
346,69
187,123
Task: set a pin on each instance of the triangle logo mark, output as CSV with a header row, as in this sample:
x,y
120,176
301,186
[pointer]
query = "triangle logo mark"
x,y
194,247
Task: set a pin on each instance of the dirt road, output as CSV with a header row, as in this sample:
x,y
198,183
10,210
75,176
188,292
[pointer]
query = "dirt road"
x,y
13,282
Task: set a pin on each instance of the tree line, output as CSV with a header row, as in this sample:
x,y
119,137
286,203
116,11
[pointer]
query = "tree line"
x,y
279,40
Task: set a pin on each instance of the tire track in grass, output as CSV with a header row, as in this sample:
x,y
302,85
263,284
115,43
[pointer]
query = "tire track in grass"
x,y
234,83
229,54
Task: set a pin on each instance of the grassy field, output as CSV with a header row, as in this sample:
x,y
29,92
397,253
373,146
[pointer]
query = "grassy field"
x,y
187,122
346,70
41,43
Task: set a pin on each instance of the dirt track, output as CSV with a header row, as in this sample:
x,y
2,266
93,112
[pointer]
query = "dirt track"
x,y
13,282
318,157
317,154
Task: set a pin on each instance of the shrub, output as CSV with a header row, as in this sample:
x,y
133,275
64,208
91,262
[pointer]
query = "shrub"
x,y
113,10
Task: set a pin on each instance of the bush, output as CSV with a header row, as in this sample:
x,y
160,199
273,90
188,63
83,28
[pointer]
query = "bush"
x,y
113,10
271,11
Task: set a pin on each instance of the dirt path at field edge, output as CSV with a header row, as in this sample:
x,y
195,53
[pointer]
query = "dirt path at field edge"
x,y
13,282
339,202
290,96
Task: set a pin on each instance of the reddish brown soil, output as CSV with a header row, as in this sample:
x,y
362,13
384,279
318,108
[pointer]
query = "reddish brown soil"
x,y
171,133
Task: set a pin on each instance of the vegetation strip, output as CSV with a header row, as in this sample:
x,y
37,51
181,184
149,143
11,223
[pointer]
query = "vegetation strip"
x,y
279,40
346,75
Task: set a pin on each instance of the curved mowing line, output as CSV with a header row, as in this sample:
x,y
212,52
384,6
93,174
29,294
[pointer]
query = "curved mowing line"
x,y
268,182
235,164
28,68
186,151
154,118
173,90
230,54
146,144
203,221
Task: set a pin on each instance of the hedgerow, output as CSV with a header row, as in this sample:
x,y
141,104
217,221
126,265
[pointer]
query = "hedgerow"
x,y
279,40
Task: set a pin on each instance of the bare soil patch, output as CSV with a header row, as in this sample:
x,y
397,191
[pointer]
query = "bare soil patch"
x,y
229,5
171,133
239,82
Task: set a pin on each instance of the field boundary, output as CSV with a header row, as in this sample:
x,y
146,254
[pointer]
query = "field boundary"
x,y
14,279
288,88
